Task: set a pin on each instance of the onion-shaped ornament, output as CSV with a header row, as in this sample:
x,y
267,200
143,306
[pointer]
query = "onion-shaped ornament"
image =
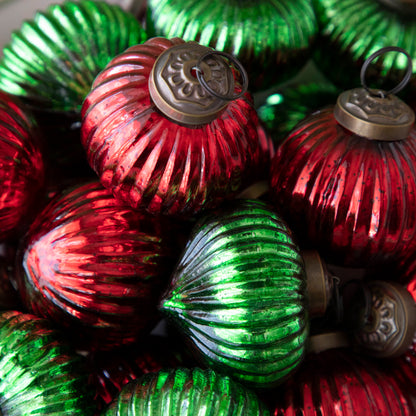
x,y
283,109
345,178
272,40
334,381
21,166
39,374
352,30
165,136
186,392
52,60
238,294
95,266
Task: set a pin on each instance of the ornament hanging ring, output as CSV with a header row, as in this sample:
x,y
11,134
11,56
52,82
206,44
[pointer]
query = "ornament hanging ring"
x,y
402,83
203,82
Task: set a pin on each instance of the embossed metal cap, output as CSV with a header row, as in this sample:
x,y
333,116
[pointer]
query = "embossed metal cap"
x,y
386,326
191,84
328,341
376,114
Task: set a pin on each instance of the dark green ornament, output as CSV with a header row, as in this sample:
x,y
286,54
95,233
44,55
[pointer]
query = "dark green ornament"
x,y
271,38
52,60
183,392
39,375
285,108
238,294
352,30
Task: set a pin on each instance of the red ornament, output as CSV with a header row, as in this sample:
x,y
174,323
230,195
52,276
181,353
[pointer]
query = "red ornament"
x,y
21,166
95,266
204,150
337,382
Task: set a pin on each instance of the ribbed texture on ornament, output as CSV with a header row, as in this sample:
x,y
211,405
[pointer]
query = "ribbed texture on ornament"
x,y
403,368
149,161
338,383
238,294
94,265
351,30
354,198
53,59
21,166
184,392
38,374
272,39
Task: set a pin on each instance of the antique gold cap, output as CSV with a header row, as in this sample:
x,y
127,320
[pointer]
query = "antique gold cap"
x,y
405,6
191,84
386,324
319,283
376,114
328,341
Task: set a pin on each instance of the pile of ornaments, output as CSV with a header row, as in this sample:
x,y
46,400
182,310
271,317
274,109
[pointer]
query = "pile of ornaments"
x,y
187,228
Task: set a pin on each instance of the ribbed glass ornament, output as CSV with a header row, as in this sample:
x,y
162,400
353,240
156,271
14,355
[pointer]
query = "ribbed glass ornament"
x,y
21,166
238,294
353,198
271,38
93,265
186,392
339,383
283,109
52,60
150,161
39,375
351,30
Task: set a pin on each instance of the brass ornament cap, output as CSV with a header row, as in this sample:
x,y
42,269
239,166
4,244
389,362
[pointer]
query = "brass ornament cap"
x,y
176,91
374,114
328,341
389,327
405,6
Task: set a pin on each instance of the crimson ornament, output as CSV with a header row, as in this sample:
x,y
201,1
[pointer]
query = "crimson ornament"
x,y
239,294
39,374
93,265
21,166
186,392
165,136
345,178
337,382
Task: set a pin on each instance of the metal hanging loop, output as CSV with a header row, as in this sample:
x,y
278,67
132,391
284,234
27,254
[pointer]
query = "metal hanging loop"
x,y
238,65
403,82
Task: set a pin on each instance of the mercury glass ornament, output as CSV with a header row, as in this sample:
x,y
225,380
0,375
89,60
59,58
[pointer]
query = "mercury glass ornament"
x,y
272,39
186,392
238,294
351,30
162,137
39,374
93,265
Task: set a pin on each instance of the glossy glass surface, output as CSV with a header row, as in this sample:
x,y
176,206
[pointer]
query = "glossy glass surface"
x,y
52,60
351,30
39,375
95,266
148,161
184,392
271,38
238,294
283,109
351,197
339,383
21,167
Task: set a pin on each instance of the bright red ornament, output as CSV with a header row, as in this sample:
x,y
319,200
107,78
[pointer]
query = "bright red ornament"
x,y
21,166
337,382
148,160
93,265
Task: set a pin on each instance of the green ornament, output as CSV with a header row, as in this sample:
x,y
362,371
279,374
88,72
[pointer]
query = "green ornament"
x,y
183,392
53,59
271,38
285,108
39,375
239,294
352,30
